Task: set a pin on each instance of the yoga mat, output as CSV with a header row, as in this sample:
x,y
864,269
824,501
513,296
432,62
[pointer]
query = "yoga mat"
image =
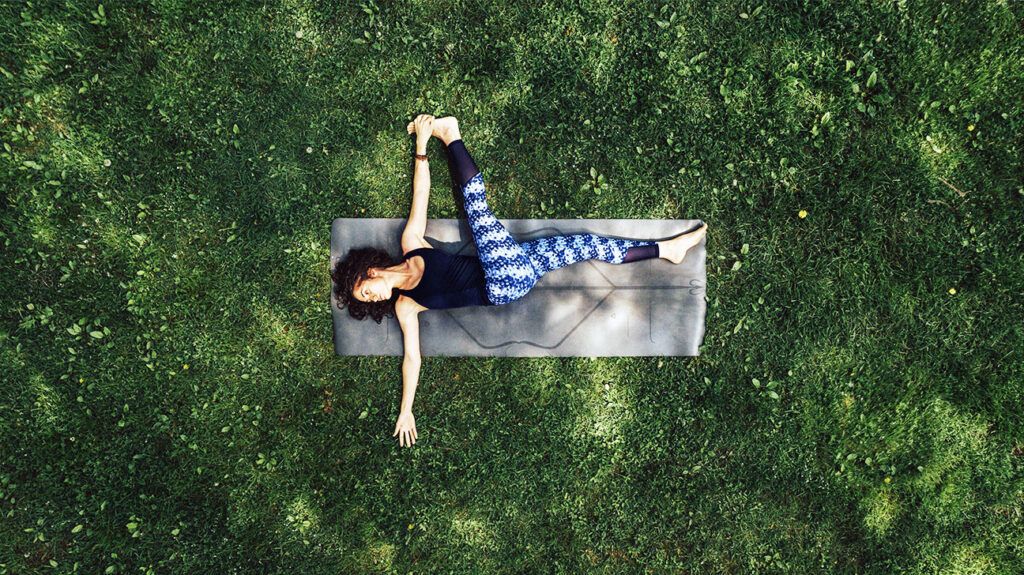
x,y
590,309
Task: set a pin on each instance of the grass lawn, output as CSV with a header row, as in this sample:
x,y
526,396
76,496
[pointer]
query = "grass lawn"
x,y
169,397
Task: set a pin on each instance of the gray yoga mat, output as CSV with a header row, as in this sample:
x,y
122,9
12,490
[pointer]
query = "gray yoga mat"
x,y
592,308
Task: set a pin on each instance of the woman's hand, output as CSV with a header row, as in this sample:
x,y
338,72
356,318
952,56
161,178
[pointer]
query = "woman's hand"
x,y
406,426
424,126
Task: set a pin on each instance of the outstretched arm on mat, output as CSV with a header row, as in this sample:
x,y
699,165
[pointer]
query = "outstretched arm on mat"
x,y
408,319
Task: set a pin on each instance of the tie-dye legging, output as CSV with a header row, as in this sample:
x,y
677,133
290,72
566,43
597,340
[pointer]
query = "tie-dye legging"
x,y
512,268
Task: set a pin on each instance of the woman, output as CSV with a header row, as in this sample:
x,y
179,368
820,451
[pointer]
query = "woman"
x,y
370,282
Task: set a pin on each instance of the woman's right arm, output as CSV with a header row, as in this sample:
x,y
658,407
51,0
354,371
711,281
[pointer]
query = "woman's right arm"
x,y
408,319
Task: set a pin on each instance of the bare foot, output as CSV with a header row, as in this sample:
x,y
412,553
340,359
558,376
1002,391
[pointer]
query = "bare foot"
x,y
445,129
674,250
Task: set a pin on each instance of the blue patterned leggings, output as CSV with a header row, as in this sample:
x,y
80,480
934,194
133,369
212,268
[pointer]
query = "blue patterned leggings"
x,y
512,268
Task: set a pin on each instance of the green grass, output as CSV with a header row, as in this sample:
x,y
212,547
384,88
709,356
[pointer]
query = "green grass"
x,y
170,401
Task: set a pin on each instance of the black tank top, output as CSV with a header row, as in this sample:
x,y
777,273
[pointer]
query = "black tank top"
x,y
448,280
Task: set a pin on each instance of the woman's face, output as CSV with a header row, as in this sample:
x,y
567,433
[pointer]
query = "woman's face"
x,y
372,289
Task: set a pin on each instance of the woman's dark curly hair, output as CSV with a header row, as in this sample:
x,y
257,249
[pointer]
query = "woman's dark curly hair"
x,y
355,267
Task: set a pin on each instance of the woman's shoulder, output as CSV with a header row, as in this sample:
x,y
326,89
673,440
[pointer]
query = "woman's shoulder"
x,y
412,244
416,251
406,304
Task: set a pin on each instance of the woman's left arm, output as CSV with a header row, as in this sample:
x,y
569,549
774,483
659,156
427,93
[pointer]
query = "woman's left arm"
x,y
416,227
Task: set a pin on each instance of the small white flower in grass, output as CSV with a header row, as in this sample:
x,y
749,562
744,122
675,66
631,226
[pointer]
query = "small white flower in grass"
x,y
309,149
298,34
106,163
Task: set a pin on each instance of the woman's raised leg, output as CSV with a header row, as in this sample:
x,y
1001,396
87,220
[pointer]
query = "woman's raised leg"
x,y
508,271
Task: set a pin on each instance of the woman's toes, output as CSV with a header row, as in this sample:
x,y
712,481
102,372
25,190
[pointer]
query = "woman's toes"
x,y
678,246
411,128
697,233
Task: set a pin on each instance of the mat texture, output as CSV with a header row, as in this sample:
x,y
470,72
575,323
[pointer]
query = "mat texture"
x,y
590,309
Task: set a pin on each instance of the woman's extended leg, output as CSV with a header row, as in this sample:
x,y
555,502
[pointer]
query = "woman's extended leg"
x,y
555,252
508,271
511,269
